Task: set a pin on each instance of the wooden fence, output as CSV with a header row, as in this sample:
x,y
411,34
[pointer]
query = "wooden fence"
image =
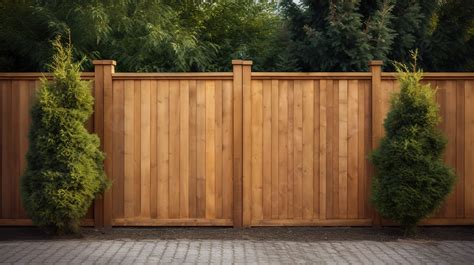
x,y
241,148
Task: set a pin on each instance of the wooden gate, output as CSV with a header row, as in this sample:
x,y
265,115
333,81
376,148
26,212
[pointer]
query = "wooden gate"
x,y
169,142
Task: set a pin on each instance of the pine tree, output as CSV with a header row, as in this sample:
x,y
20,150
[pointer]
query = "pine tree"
x,y
64,163
451,45
336,36
411,179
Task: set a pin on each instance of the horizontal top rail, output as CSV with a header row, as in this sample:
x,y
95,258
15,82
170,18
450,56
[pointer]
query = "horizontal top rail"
x,y
311,75
34,76
431,76
203,75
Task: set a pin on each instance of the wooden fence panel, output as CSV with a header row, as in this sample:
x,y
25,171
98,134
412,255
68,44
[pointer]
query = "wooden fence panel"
x,y
307,144
173,161
241,148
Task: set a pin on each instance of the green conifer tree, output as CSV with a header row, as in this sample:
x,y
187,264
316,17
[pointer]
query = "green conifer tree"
x,y
336,36
64,169
411,179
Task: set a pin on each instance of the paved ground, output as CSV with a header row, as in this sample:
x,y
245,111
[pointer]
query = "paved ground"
x,y
127,251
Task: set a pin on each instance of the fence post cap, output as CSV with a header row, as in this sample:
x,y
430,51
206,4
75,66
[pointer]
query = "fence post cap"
x,y
104,62
375,62
243,62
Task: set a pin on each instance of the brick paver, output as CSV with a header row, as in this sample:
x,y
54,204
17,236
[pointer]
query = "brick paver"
x,y
235,251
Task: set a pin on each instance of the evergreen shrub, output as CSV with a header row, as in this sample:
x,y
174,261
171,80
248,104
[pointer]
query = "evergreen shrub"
x,y
411,180
64,169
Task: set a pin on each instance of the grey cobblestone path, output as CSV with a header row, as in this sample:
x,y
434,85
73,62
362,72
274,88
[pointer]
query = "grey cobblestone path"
x,y
235,251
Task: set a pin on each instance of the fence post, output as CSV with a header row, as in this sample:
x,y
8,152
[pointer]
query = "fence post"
x,y
377,118
103,92
242,71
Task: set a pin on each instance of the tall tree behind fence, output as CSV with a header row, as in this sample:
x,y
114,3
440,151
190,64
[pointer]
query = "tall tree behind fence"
x,y
241,148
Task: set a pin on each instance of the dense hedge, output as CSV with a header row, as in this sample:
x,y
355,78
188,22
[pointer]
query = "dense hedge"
x,y
64,163
411,179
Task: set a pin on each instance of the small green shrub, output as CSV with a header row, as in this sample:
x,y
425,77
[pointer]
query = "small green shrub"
x,y
64,163
411,180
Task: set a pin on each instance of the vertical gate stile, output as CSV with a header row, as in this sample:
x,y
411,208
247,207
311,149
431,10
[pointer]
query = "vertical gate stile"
x,y
241,81
103,117
377,119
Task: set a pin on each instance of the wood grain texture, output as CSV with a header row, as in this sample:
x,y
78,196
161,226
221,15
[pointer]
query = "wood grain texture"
x,y
267,150
275,152
283,149
163,147
257,149
352,149
210,150
308,112
174,150
298,150
182,148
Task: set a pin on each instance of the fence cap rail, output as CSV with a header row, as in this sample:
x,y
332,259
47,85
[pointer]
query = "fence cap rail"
x,y
311,75
203,75
432,75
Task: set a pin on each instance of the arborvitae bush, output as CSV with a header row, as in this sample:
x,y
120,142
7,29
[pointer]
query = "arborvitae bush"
x,y
64,169
411,179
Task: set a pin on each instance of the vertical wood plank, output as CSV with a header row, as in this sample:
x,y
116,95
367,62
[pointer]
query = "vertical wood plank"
x,y
316,143
283,149
145,137
275,153
154,150
450,133
218,148
137,149
201,149
163,148
267,149
322,147
460,148
174,150
361,152
210,150
352,149
290,148
469,152
298,150
257,149
368,145
6,149
308,134
184,149
23,110
227,140
129,150
329,148
335,149
17,86
343,86
192,148
118,149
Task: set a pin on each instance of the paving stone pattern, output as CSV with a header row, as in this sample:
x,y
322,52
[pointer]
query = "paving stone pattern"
x,y
235,251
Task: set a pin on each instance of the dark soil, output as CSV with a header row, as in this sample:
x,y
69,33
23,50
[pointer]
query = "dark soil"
x,y
267,233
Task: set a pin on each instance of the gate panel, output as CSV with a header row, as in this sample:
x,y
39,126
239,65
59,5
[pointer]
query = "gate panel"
x,y
172,155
